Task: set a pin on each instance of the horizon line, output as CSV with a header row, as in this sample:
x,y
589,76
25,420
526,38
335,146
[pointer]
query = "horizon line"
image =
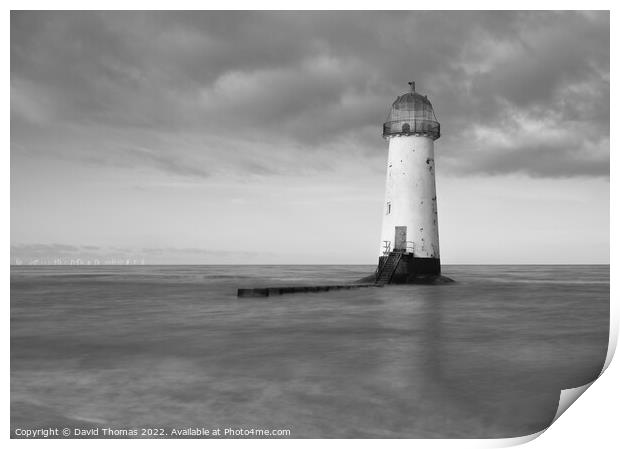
x,y
284,264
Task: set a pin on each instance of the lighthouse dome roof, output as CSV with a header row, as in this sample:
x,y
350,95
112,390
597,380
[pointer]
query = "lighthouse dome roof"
x,y
412,103
411,113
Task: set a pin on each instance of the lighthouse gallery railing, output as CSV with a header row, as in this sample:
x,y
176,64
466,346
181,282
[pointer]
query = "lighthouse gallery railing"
x,y
412,126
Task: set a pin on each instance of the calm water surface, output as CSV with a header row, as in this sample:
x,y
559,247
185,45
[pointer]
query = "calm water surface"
x,y
172,346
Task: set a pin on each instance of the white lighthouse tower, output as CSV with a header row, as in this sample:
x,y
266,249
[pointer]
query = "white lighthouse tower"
x,y
409,250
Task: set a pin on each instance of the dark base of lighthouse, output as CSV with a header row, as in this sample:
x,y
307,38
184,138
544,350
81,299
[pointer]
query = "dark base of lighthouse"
x,y
414,270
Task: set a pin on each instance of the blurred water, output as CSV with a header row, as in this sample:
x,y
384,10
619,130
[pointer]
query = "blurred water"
x,y
172,346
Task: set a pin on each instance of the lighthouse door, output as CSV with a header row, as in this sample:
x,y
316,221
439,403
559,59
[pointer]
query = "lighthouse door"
x,y
400,238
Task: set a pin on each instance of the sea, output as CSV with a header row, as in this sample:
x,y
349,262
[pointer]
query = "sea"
x,y
124,348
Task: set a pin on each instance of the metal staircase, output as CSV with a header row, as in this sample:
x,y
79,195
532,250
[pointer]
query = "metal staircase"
x,y
387,269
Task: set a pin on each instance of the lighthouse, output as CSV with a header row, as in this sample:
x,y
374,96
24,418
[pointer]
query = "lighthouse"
x,y
409,248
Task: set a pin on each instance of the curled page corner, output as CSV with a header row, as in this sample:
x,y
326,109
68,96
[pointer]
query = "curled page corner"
x,y
516,441
613,343
568,397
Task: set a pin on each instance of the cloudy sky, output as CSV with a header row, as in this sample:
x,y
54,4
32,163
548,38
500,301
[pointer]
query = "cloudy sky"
x,y
234,137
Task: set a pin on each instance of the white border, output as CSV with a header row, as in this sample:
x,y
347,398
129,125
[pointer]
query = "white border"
x,y
591,422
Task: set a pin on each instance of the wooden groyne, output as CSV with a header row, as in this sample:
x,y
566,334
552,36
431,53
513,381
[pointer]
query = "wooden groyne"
x,y
272,291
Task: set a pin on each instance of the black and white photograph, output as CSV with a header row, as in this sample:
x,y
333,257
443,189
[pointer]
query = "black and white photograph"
x,y
307,224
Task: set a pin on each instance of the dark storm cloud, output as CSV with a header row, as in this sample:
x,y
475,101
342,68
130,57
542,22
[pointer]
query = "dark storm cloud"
x,y
515,91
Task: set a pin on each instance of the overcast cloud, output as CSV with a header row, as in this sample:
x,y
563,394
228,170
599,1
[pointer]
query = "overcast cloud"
x,y
515,92
206,95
